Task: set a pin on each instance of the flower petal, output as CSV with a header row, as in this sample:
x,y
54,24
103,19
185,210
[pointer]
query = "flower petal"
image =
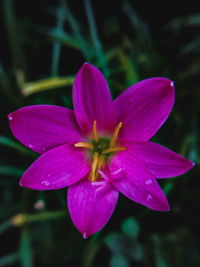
x,y
92,100
144,107
42,127
132,179
161,161
91,205
57,168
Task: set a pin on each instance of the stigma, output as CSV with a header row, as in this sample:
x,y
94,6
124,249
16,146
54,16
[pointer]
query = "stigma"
x,y
102,149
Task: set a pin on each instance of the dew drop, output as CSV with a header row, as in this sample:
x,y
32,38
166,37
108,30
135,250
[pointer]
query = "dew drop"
x,y
172,84
148,182
149,197
85,235
10,117
45,182
30,146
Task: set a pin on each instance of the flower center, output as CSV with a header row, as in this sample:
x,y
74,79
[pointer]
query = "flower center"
x,y
102,148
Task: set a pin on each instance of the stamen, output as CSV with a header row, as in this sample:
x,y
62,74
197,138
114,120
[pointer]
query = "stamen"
x,y
84,144
115,135
113,149
94,131
99,165
101,147
94,167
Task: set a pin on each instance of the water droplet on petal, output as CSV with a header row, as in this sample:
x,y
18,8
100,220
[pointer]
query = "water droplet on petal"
x,y
172,84
149,197
20,183
85,235
148,182
45,182
10,117
30,146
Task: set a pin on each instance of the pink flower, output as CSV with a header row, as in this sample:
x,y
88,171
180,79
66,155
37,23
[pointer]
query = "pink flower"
x,y
101,148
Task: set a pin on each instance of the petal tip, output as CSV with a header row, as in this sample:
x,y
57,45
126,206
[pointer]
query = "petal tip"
x,y
86,65
192,164
165,207
188,165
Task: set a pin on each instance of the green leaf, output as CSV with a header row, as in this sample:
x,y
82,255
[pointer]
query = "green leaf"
x,y
5,141
4,226
26,251
168,187
130,227
21,219
85,48
114,242
118,260
9,259
128,67
14,35
9,170
95,38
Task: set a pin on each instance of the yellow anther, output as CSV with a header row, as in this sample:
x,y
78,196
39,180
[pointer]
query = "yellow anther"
x,y
85,145
94,131
115,135
94,167
113,149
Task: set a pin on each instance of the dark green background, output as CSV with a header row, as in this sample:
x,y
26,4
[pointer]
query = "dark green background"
x,y
129,41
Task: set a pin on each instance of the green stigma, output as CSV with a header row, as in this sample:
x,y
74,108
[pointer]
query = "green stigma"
x,y
101,145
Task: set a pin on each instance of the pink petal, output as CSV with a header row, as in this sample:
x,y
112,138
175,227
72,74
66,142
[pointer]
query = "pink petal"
x,y
144,107
92,100
161,161
57,168
91,205
42,127
132,179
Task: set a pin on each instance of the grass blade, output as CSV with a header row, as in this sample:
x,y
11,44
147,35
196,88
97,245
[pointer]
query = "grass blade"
x,y
97,44
5,141
26,251
46,84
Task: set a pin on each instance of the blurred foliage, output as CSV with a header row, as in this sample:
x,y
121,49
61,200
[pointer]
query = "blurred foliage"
x,y
42,47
